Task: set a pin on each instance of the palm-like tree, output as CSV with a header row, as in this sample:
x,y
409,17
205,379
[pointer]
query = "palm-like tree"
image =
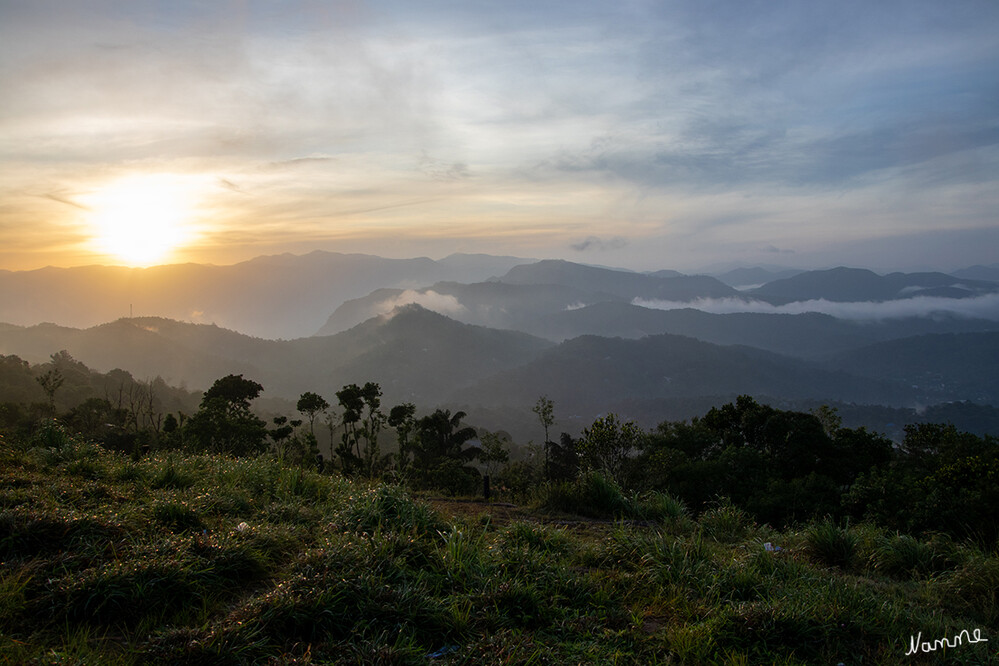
x,y
440,437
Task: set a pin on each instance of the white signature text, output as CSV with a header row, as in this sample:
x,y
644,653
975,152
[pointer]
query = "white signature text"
x,y
917,644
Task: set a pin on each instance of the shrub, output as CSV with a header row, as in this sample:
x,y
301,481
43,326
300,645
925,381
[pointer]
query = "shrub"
x,y
829,545
390,508
592,495
973,588
902,556
660,507
726,523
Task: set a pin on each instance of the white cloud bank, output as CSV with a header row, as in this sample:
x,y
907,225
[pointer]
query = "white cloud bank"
x,y
444,304
979,307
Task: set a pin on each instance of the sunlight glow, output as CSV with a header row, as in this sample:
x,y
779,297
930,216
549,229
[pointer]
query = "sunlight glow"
x,y
141,220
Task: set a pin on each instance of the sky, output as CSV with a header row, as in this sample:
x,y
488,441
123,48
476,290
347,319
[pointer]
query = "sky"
x,y
645,135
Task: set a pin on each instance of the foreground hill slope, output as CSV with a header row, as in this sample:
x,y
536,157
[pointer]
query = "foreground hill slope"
x,y
174,559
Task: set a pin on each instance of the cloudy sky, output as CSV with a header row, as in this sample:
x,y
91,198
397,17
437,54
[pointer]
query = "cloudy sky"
x,y
639,134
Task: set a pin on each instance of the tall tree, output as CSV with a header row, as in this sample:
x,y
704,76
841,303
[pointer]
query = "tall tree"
x,y
312,405
607,444
401,417
495,450
362,421
50,382
441,456
545,409
224,422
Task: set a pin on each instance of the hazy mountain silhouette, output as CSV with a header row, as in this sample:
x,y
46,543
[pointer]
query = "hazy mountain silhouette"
x,y
988,273
415,354
494,304
744,277
807,335
856,284
618,283
493,333
589,374
955,366
281,296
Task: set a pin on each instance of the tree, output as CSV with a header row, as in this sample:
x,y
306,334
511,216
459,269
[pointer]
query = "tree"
x,y
441,455
312,405
224,422
563,464
362,421
495,450
401,417
545,409
50,382
281,432
829,418
607,444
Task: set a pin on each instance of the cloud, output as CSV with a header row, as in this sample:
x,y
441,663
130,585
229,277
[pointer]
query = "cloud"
x,y
444,304
65,200
442,170
595,243
229,185
979,307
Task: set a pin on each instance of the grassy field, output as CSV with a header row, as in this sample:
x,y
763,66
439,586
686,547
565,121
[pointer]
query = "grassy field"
x,y
212,560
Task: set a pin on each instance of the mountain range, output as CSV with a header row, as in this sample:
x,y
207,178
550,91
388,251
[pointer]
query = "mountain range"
x,y
512,331
280,296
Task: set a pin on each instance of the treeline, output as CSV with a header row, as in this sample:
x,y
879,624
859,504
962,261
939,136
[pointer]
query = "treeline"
x,y
112,408
779,466
784,467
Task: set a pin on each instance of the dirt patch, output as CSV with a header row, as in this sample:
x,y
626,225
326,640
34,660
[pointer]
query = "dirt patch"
x,y
499,512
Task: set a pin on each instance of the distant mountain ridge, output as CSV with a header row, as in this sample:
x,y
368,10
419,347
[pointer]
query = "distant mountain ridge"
x,y
280,296
496,375
590,373
291,296
746,277
988,273
412,352
844,285
623,284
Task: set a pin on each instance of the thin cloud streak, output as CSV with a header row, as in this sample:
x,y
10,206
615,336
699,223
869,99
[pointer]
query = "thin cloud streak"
x,y
979,307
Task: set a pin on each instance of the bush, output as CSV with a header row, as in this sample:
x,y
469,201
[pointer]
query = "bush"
x,y
902,556
726,523
390,508
592,495
829,545
660,507
973,588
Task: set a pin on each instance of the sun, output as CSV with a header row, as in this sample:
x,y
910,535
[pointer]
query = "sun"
x,y
141,220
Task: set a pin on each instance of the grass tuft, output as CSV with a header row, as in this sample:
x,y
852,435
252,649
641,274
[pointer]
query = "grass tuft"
x,y
831,546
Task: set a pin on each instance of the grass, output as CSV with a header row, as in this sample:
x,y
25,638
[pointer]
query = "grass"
x,y
207,559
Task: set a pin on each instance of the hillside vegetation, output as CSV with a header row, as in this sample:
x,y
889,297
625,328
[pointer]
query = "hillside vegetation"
x,y
198,559
143,527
